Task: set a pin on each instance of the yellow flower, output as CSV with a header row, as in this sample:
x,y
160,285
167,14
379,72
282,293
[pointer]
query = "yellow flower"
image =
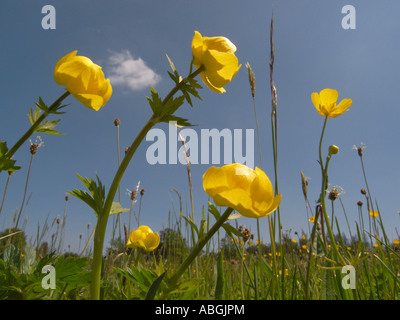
x,y
294,240
217,56
373,214
325,103
312,219
83,79
304,247
396,241
286,272
241,188
143,237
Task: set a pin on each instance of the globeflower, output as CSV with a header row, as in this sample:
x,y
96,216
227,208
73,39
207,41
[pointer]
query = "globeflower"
x,y
83,79
217,56
325,103
241,188
143,237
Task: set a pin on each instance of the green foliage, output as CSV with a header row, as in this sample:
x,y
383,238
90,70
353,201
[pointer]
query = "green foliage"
x,y
164,110
12,236
188,88
143,279
95,199
46,126
5,163
21,275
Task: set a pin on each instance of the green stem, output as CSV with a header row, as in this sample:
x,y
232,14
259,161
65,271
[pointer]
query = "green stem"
x,y
197,248
322,196
103,216
32,129
366,183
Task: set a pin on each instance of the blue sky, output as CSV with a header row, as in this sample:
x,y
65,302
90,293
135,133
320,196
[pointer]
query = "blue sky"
x,y
312,51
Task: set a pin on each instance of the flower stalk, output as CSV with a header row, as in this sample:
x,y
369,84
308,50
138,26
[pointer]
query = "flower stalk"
x,y
324,170
103,216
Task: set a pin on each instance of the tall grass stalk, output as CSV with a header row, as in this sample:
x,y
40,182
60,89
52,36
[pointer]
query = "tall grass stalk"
x,y
5,190
252,82
274,129
33,150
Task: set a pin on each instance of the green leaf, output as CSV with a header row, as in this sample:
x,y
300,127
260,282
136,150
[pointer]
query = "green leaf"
x,y
172,65
95,199
229,229
172,105
153,289
190,89
29,259
203,226
214,211
5,163
8,165
40,104
72,270
3,148
85,197
179,121
190,222
155,102
117,209
46,126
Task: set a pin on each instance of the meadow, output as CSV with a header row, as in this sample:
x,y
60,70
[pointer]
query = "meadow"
x,y
216,258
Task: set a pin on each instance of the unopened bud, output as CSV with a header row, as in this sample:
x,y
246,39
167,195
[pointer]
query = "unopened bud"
x,y
117,122
333,149
363,191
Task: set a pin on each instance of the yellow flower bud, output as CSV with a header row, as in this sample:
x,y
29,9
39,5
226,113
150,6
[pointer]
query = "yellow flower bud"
x,y
83,79
333,149
217,56
325,103
143,237
241,188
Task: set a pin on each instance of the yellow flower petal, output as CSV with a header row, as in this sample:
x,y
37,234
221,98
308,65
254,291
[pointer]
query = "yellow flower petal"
x,y
217,56
325,103
373,214
239,187
83,79
143,237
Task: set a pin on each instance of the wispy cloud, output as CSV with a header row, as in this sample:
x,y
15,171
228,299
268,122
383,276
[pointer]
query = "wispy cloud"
x,y
126,71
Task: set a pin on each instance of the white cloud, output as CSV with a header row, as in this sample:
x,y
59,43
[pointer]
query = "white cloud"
x,y
126,71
